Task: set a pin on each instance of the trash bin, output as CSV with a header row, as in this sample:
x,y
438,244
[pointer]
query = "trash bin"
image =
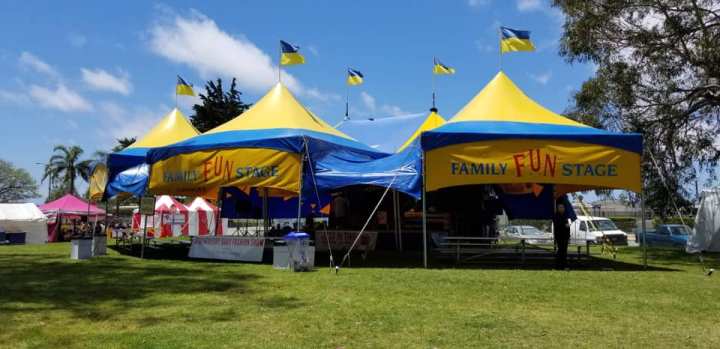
x,y
80,248
99,245
300,254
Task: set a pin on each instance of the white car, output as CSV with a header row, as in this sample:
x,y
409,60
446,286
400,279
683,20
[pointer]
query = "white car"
x,y
594,229
531,234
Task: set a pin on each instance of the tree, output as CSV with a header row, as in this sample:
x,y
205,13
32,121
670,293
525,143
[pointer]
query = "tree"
x,y
217,106
658,73
16,184
123,143
66,165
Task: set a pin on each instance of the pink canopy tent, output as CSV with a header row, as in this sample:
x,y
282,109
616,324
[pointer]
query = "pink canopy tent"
x,y
68,206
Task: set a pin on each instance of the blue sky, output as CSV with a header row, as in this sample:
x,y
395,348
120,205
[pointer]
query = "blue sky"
x,y
87,73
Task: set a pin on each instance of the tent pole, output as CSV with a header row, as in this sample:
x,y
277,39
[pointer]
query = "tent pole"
x,y
265,212
642,225
399,223
303,154
395,219
424,216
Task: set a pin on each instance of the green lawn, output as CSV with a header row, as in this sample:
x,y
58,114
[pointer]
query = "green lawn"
x,y
119,301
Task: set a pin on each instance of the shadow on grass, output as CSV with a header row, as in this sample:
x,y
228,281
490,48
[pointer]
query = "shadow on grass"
x,y
102,288
658,259
677,256
546,261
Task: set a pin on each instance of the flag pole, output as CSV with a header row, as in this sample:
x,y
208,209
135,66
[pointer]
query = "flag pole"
x,y
347,99
500,49
279,62
433,82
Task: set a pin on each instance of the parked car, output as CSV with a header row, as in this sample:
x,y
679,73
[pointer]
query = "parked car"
x,y
531,234
669,235
594,229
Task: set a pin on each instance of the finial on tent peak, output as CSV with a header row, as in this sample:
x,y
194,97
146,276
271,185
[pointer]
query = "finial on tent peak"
x,y
433,110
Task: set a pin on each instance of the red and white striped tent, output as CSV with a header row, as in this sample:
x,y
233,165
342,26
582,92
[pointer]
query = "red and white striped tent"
x,y
172,218
204,217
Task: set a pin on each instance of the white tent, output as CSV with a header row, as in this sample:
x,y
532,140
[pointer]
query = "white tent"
x,y
706,234
24,218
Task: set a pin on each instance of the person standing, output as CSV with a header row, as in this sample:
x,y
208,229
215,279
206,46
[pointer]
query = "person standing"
x,y
561,234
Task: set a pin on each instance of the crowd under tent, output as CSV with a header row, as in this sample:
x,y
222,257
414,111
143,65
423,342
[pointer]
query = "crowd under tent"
x,y
126,171
65,213
24,218
502,143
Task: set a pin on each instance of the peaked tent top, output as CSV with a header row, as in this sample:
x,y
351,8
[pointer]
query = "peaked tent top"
x,y
278,109
277,121
172,128
502,111
71,204
502,100
432,121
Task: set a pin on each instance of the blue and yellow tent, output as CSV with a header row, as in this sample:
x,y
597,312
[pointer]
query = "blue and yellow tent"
x,y
127,172
261,148
503,137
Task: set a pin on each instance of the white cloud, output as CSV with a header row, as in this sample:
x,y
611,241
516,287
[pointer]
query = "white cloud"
x,y
543,78
368,101
371,108
313,50
486,48
77,40
33,62
199,43
478,3
120,122
316,94
60,98
392,110
528,5
14,97
101,80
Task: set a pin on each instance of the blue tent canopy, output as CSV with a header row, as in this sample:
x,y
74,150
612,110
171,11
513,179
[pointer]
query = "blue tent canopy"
x,y
400,171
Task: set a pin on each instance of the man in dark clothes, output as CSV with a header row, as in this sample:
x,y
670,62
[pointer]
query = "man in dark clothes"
x,y
561,234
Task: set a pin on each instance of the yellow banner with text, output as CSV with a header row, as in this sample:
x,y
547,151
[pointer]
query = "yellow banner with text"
x,y
209,170
532,161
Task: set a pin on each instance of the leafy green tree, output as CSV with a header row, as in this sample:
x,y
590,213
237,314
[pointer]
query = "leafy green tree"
x,y
16,184
658,73
66,166
123,143
217,106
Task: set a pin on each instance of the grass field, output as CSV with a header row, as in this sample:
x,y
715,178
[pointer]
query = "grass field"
x,y
120,301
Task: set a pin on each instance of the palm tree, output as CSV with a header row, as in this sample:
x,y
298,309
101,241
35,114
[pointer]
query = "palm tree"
x,y
123,143
66,165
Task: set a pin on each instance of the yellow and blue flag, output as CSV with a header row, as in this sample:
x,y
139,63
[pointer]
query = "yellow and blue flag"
x,y
442,69
354,77
515,40
183,88
289,54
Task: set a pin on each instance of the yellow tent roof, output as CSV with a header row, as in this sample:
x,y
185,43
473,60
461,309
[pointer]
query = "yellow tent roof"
x,y
173,128
432,121
278,109
502,100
